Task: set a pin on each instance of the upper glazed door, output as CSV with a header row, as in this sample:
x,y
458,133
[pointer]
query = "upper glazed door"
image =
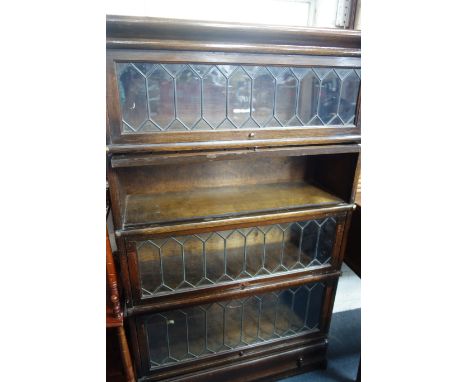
x,y
176,100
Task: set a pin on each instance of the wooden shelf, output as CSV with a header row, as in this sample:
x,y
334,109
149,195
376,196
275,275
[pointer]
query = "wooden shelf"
x,y
210,203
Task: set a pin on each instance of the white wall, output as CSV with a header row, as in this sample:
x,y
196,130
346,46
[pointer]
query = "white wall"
x,y
320,13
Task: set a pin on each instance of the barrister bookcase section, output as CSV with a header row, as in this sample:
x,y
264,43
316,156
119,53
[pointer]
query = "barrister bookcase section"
x,y
200,331
184,192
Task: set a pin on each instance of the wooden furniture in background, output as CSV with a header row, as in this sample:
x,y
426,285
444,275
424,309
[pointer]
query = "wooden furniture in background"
x,y
114,320
233,156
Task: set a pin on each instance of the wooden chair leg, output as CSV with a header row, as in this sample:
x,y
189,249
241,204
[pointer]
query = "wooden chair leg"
x,y
126,360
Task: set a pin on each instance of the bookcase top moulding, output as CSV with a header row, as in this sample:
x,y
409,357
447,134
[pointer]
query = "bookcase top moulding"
x,y
173,34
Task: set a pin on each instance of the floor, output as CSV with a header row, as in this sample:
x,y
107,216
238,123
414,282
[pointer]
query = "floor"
x,y
344,349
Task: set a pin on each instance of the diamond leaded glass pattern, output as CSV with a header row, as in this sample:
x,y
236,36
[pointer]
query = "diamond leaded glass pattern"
x,y
179,97
187,262
190,333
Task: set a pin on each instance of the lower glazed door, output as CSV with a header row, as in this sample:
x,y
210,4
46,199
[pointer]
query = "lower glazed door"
x,y
171,341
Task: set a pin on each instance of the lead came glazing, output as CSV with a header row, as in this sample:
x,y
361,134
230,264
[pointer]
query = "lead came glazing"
x,y
189,333
187,262
182,97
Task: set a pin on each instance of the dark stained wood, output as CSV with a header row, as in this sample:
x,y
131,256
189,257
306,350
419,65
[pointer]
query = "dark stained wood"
x,y
344,240
205,191
191,182
237,138
194,146
114,315
217,174
288,362
328,301
237,289
220,202
136,29
336,256
352,255
114,367
336,174
245,354
126,359
119,43
115,195
137,160
234,222
356,189
199,140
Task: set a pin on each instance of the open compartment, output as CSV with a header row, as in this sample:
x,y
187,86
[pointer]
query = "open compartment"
x,y
180,188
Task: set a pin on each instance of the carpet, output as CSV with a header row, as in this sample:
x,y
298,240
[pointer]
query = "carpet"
x,y
344,350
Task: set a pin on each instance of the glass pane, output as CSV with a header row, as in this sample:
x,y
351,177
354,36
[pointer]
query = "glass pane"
x,y
214,97
157,97
250,319
215,327
286,94
263,96
157,337
161,97
239,97
273,248
188,97
196,318
133,100
184,334
329,96
193,261
177,334
173,266
348,99
188,262
233,324
308,97
235,244
214,251
149,261
254,251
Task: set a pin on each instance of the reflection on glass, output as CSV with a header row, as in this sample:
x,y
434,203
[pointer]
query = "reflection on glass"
x,y
178,263
214,97
349,95
133,101
308,97
179,97
161,97
188,333
286,94
239,97
263,96
329,97
188,97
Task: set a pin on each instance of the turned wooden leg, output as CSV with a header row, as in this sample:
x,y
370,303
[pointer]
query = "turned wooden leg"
x,y
126,360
